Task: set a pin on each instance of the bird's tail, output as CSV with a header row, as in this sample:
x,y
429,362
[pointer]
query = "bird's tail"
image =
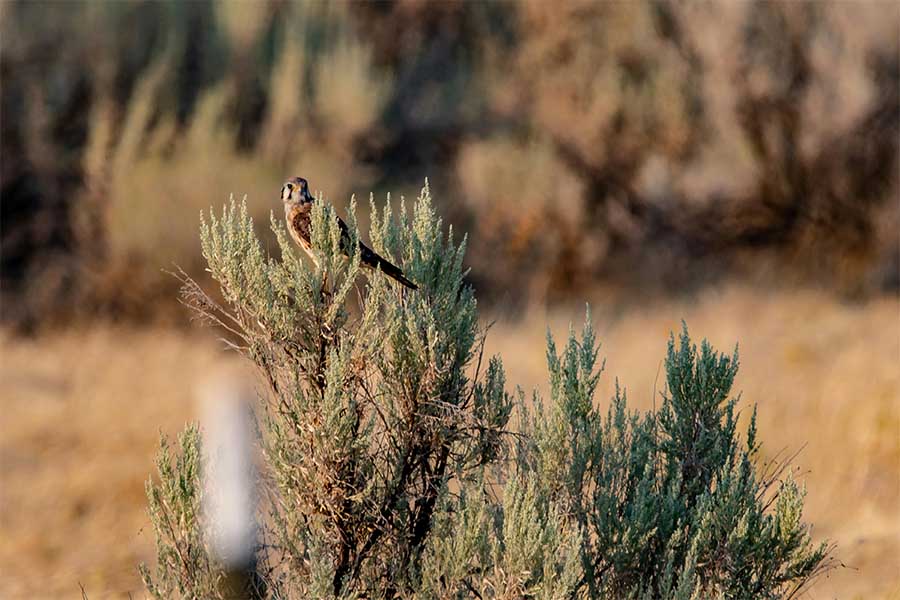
x,y
395,273
372,259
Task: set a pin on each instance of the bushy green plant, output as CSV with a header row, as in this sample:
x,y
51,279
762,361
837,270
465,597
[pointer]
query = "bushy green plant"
x,y
393,470
669,503
184,567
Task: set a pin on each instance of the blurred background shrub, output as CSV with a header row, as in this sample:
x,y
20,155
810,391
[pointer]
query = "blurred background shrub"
x,y
583,145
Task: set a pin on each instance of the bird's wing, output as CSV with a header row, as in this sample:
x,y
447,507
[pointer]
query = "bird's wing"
x,y
300,227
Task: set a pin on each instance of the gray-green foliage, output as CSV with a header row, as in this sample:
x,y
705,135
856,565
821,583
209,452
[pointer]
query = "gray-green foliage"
x,y
668,503
184,568
392,470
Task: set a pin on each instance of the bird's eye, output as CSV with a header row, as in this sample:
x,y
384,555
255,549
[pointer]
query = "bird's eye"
x,y
289,186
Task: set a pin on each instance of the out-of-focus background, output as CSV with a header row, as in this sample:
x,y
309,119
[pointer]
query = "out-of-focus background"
x,y
732,164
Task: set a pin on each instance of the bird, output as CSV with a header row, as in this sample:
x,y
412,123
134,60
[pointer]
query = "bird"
x,y
298,204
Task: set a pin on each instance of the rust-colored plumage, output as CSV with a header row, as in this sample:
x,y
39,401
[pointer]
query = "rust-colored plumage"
x,y
297,211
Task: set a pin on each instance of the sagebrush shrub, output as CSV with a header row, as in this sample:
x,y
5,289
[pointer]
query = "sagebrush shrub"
x,y
392,468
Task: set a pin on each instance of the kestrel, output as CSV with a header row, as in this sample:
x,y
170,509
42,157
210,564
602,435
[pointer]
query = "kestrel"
x,y
297,212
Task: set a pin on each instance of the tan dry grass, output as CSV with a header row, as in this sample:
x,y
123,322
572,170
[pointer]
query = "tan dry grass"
x,y
82,414
82,411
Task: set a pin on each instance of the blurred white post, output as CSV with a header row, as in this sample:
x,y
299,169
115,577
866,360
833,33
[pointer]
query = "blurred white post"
x,y
229,501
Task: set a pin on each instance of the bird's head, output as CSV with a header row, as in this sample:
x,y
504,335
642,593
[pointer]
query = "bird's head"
x,y
296,191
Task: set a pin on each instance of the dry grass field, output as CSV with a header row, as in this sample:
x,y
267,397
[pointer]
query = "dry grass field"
x,y
82,412
81,423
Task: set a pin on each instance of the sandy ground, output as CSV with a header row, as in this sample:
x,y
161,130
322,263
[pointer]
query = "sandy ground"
x,y
82,412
